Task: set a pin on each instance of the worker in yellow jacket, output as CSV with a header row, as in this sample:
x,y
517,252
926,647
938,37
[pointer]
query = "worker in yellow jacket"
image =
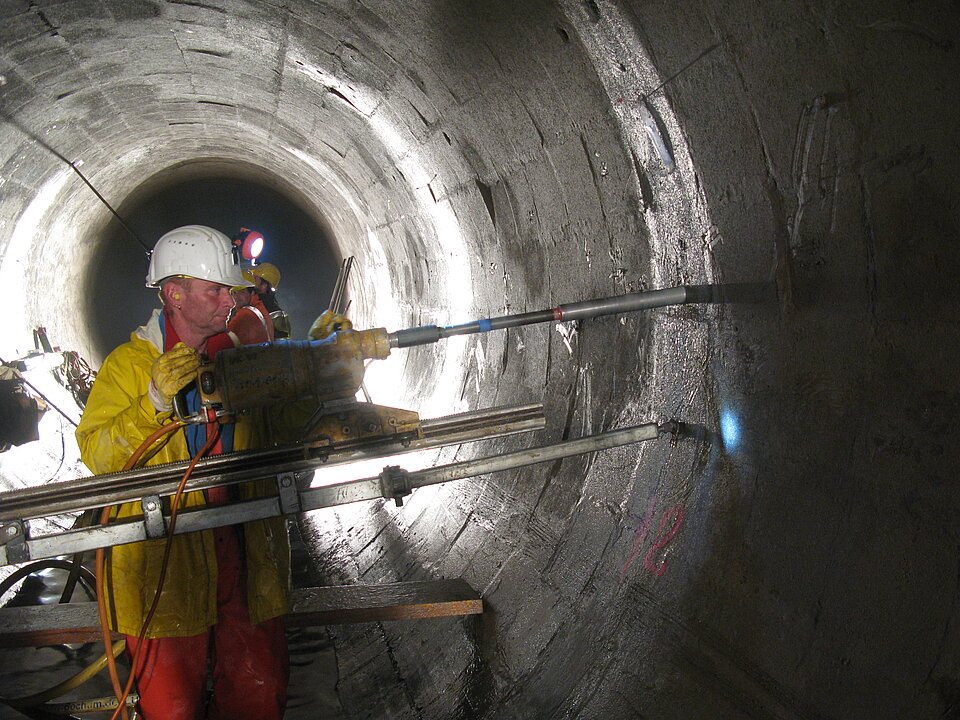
x,y
226,589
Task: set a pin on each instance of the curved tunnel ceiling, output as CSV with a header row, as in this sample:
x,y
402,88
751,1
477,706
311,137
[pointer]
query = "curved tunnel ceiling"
x,y
796,556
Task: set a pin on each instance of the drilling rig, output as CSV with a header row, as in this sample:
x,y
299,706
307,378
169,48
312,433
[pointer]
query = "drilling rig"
x,y
324,378
327,374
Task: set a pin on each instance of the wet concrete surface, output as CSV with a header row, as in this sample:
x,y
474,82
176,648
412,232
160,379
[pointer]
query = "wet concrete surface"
x,y
794,553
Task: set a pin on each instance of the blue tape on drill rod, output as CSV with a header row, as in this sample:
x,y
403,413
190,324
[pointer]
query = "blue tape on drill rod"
x,y
485,325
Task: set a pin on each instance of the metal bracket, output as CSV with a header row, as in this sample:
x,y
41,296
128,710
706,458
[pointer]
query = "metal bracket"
x,y
670,426
289,494
13,540
153,521
395,483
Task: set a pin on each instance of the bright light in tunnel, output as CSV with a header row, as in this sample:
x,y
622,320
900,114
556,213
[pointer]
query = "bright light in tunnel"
x,y
455,271
729,429
13,271
256,247
384,379
358,470
387,381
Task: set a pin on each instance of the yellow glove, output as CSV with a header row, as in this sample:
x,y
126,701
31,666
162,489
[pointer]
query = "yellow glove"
x,y
327,324
170,373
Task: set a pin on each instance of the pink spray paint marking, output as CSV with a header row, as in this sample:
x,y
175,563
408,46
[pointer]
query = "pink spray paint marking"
x,y
678,514
639,536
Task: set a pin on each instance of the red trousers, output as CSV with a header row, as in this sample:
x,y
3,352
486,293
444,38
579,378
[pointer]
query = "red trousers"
x,y
250,662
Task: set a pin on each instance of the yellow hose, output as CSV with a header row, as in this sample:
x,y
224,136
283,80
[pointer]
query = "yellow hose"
x,y
69,684
113,650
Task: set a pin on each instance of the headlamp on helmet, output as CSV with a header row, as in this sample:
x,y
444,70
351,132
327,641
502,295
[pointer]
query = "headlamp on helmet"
x,y
247,244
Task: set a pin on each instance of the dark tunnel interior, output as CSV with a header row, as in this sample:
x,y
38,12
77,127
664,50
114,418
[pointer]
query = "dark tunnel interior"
x,y
222,195
794,554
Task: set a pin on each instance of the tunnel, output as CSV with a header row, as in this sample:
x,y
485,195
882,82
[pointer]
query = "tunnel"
x,y
795,554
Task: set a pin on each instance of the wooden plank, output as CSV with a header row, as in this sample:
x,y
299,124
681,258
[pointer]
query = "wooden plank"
x,y
40,625
396,601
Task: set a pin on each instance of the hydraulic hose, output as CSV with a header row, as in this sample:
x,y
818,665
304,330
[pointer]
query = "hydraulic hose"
x,y
67,685
174,505
101,572
144,446
85,520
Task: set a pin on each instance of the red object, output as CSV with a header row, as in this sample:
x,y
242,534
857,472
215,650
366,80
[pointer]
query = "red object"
x,y
218,343
250,662
250,243
252,324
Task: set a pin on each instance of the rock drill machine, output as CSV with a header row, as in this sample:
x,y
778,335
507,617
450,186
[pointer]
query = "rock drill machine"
x,y
328,375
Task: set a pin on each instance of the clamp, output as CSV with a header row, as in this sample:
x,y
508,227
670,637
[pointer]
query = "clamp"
x,y
289,493
13,542
395,483
153,521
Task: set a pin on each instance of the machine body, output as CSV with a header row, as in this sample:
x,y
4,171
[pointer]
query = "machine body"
x,y
330,371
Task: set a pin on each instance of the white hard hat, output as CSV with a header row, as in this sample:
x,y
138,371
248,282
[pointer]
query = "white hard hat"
x,y
195,251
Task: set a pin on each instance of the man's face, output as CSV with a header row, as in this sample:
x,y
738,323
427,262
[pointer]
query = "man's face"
x,y
205,305
242,296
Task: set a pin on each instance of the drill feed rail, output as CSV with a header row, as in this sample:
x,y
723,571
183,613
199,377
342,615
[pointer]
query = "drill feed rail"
x,y
393,483
113,488
329,372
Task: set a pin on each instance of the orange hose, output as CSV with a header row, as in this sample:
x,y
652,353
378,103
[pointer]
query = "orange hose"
x,y
157,434
174,505
101,567
104,624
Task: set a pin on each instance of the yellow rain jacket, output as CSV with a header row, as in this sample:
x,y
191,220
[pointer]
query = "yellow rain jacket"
x,y
117,419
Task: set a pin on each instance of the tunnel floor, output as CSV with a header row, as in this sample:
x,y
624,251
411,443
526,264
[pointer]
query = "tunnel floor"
x,y
24,671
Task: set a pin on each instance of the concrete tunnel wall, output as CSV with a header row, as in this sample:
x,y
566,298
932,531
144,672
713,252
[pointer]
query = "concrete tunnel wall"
x,y
797,556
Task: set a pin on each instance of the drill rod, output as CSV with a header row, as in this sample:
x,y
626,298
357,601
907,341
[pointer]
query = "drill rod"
x,y
340,288
681,295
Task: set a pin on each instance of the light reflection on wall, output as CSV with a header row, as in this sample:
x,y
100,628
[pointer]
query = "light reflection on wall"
x,y
729,429
15,330
380,303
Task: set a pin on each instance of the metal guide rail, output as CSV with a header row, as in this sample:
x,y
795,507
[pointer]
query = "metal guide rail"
x,y
113,488
393,483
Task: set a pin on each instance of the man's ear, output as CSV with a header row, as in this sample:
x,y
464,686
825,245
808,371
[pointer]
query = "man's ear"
x,y
171,292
